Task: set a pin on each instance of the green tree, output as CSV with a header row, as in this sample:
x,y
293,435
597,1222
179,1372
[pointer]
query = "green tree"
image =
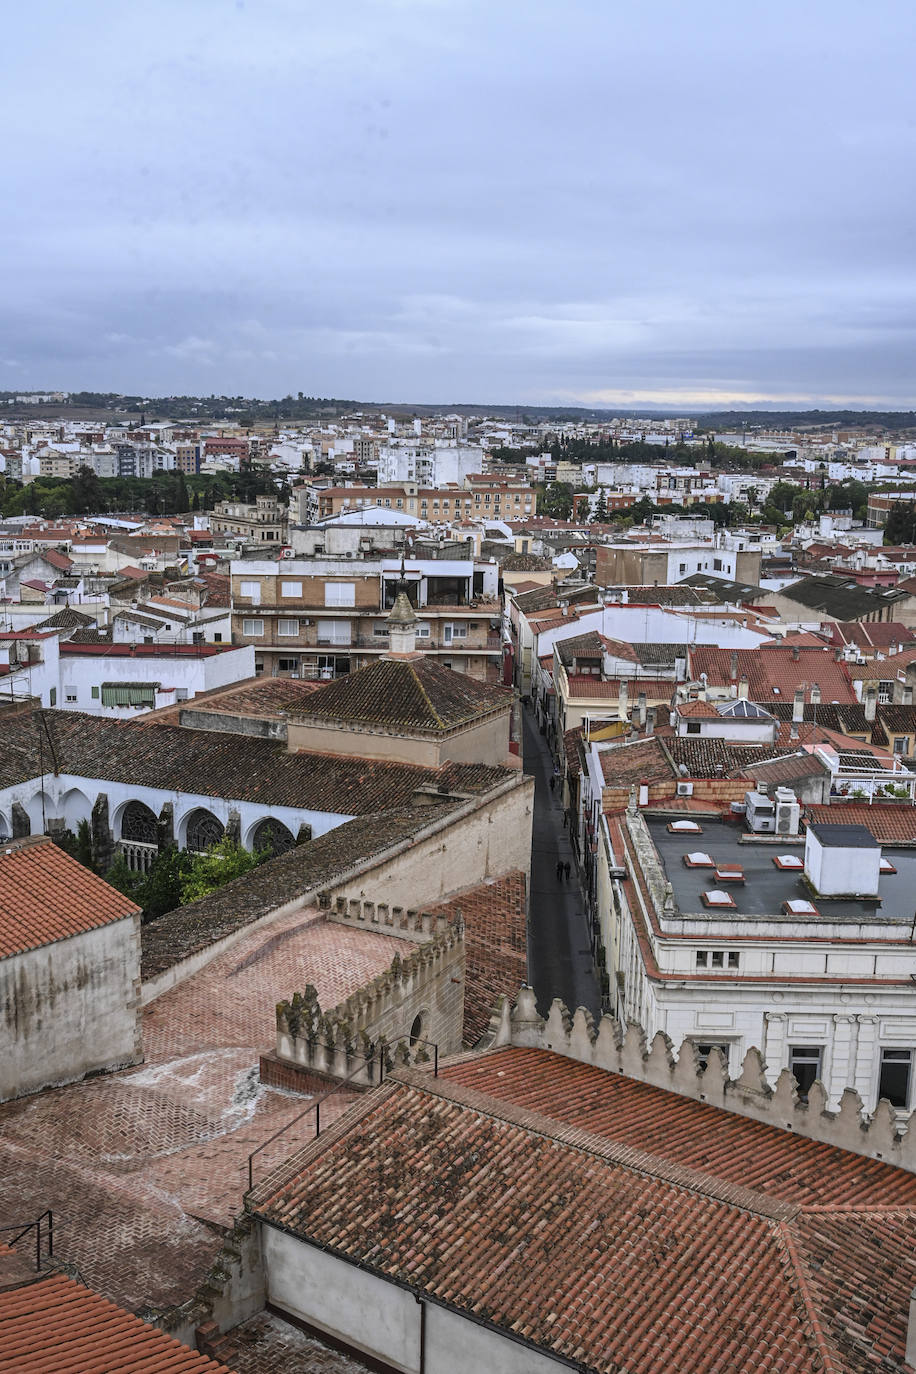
x,y
182,499
223,862
599,515
160,890
557,501
86,493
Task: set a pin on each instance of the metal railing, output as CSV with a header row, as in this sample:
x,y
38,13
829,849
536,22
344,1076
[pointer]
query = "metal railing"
x,y
317,1104
35,1225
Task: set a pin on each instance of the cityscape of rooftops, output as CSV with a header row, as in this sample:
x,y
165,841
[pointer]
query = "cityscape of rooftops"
x,y
457,670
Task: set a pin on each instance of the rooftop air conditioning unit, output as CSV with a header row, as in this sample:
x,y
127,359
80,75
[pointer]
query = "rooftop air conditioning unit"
x,y
685,789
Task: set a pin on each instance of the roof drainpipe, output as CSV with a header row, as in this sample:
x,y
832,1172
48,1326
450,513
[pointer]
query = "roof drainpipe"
x,y
911,1332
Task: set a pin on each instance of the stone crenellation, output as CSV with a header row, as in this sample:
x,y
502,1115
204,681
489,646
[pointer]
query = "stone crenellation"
x,y
374,1028
624,1049
392,920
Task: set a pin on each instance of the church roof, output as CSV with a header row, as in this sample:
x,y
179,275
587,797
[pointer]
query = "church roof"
x,y
406,693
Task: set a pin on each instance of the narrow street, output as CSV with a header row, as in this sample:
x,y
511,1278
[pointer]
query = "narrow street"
x,y
559,956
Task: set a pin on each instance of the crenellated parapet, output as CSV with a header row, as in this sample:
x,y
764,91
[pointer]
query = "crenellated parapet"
x,y
624,1049
405,923
418,998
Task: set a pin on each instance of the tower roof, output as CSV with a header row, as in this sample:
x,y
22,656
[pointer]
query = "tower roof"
x,y
406,693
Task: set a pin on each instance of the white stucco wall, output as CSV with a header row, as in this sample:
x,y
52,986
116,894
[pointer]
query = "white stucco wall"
x,y
69,1008
379,1319
837,872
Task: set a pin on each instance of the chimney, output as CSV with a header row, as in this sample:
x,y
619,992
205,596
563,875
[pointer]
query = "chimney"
x,y
742,688
733,665
641,708
798,706
793,732
838,655
622,702
795,653
815,694
907,696
650,721
871,704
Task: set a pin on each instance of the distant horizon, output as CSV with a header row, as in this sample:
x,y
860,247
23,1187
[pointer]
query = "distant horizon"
x,y
633,411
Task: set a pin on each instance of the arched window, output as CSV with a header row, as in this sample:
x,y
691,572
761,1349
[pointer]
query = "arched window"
x,y
418,1029
273,835
138,822
203,832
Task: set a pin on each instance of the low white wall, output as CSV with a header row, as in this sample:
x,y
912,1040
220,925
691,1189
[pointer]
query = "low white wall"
x,y
69,1008
379,1319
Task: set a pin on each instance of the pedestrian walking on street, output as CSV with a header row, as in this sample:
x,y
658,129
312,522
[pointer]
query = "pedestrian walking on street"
x,y
566,870
559,869
552,781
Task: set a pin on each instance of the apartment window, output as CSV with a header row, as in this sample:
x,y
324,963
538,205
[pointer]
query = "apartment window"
x,y
805,1062
251,591
717,565
900,744
288,665
252,627
94,693
380,630
885,692
702,958
693,727
290,588
334,632
217,638
181,693
421,630
70,695
53,696
734,958
717,958
340,593
895,1077
453,631
682,567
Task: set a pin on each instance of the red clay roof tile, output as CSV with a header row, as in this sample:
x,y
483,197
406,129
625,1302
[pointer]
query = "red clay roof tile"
x,y
46,896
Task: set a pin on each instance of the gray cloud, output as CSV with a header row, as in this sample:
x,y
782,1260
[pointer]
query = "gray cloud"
x,y
451,199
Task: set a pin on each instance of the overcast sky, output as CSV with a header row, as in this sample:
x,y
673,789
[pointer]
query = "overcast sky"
x,y
604,203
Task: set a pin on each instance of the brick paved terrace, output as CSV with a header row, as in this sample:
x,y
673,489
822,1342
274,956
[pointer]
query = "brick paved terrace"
x,y
145,1169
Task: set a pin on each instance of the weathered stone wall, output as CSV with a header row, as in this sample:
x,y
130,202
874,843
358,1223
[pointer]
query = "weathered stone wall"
x,y
494,839
70,1008
419,998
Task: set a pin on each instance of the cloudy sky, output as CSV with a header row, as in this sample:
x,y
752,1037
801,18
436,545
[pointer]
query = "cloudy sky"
x,y
600,202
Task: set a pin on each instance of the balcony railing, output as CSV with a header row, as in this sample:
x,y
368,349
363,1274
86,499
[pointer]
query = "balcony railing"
x,y
138,856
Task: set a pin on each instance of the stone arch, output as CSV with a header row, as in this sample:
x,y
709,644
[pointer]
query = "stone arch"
x,y
74,807
138,822
202,830
271,834
419,1028
39,816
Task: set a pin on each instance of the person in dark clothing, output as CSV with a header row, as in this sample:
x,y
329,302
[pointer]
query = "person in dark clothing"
x,y
552,782
559,869
566,870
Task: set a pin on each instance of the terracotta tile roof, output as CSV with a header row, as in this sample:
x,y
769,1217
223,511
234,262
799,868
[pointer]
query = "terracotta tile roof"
x,y
516,1186
697,710
215,764
46,896
711,757
66,619
642,761
774,673
495,942
58,1326
406,694
57,560
890,824
596,689
880,634
261,696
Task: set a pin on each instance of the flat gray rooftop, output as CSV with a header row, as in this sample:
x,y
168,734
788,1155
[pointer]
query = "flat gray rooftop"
x,y
766,888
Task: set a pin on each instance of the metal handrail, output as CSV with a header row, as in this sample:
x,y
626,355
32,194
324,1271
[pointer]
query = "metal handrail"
x,y
36,1224
316,1105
